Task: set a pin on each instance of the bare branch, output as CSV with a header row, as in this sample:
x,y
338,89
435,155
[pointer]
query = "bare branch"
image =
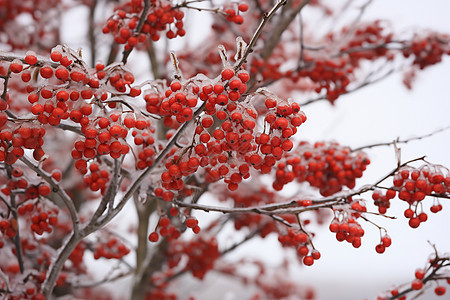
x,y
141,22
275,36
58,190
399,141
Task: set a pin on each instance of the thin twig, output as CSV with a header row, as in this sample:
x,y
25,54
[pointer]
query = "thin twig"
x,y
399,141
4,56
91,32
141,22
266,17
58,190
365,83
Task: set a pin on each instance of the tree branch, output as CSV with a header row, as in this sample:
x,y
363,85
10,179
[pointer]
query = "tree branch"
x,y
399,141
58,190
141,22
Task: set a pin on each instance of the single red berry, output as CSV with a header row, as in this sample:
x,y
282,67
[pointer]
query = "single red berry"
x,y
419,274
440,290
308,260
380,248
153,237
16,68
46,72
243,7
31,59
56,56
417,284
227,74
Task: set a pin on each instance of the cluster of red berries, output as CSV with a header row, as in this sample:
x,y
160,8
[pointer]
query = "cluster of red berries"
x,y
325,165
120,81
15,138
330,75
422,275
166,229
300,241
428,50
264,223
235,133
42,218
366,36
281,123
8,227
161,17
111,249
382,200
22,35
413,185
171,180
201,255
105,136
146,144
178,101
234,16
346,226
18,182
97,178
76,257
384,243
43,221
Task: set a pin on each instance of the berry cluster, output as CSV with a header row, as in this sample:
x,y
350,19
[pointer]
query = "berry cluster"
x,y
18,183
428,50
161,17
178,101
371,38
423,276
21,34
201,255
105,136
97,178
234,16
325,165
14,139
8,227
76,257
43,218
265,224
330,75
269,70
300,241
281,123
146,149
412,185
110,249
42,222
166,229
346,226
235,133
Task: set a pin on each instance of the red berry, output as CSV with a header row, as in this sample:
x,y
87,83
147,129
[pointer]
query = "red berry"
x,y
417,284
308,260
56,56
17,68
153,237
440,290
227,74
31,59
420,274
46,72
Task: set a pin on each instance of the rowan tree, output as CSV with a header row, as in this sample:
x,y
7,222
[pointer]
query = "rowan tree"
x,y
156,164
